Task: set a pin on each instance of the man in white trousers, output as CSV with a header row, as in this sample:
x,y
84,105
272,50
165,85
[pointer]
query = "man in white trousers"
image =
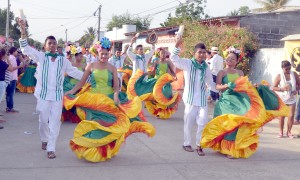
x,y
197,75
49,88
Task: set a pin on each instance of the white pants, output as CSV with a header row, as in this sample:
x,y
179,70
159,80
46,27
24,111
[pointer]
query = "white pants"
x,y
194,114
49,121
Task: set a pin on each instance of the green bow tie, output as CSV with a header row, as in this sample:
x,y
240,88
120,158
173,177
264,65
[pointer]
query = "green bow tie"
x,y
117,58
141,57
51,54
202,67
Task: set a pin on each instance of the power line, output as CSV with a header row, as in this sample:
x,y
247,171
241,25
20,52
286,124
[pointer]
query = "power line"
x,y
154,8
64,11
57,17
65,24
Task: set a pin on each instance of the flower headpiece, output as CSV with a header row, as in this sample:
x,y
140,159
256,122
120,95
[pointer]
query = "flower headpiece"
x,y
103,44
231,49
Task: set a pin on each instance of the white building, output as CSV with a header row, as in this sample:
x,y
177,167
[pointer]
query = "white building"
x,y
117,35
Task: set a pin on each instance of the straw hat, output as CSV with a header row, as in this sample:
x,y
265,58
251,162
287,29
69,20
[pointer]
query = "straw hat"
x,y
214,49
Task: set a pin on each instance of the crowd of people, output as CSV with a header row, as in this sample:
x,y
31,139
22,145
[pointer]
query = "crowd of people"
x,y
103,89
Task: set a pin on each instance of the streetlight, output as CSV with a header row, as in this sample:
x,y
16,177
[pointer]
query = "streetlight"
x,y
66,31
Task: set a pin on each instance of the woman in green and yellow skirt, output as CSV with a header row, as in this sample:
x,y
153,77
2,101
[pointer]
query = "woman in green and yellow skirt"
x,y
27,81
157,92
240,113
108,117
69,83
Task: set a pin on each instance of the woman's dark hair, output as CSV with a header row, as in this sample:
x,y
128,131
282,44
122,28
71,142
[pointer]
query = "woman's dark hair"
x,y
2,53
199,46
208,52
76,54
12,50
285,63
236,54
50,37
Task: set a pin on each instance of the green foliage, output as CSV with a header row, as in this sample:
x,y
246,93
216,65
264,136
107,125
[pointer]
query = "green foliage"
x,y
269,5
243,10
61,42
187,12
126,18
88,37
222,37
14,31
38,45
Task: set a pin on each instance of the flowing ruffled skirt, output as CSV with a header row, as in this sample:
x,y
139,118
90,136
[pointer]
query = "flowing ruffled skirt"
x,y
160,100
239,114
71,114
104,124
27,81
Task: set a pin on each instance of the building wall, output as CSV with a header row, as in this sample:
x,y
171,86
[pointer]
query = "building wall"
x,y
117,34
266,65
271,27
166,41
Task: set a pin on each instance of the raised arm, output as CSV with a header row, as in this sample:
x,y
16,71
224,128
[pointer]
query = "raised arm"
x,y
150,54
34,54
129,52
178,62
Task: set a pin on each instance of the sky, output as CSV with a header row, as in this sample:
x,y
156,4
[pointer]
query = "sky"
x,y
53,17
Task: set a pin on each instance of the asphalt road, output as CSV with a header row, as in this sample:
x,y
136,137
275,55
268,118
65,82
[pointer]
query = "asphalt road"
x,y
140,157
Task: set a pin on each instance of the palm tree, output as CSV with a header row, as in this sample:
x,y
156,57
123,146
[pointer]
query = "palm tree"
x,y
234,13
269,5
88,37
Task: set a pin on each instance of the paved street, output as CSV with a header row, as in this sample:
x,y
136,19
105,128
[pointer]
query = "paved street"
x,y
160,157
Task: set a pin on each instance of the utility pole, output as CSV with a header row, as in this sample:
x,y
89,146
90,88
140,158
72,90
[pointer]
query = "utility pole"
x,y
99,19
7,21
66,36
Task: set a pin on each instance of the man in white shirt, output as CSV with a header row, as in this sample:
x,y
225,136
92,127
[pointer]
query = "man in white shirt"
x,y
88,56
197,76
118,61
49,88
216,65
139,60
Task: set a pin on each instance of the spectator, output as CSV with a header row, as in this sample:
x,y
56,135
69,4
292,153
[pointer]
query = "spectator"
x,y
216,65
11,87
3,67
287,84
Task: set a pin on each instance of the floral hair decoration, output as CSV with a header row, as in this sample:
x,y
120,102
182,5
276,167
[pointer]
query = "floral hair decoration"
x,y
103,44
232,49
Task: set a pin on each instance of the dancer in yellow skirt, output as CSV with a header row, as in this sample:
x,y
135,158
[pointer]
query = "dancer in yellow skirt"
x,y
241,111
162,89
108,116
69,83
27,81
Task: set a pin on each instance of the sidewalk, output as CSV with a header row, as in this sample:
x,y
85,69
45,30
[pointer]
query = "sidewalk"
x,y
140,157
